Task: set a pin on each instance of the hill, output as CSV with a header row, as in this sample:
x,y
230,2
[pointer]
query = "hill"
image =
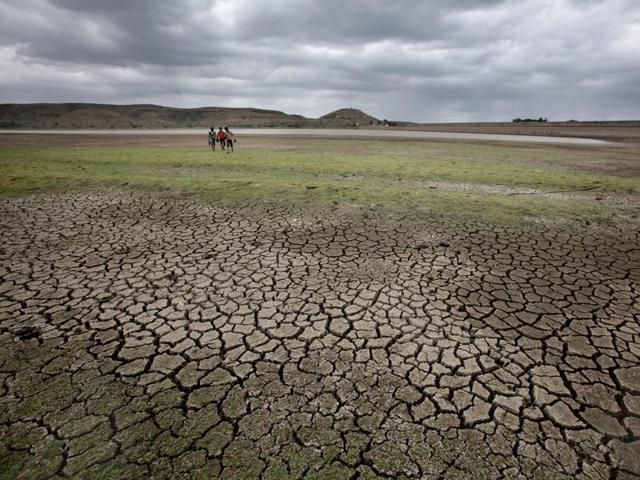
x,y
51,116
88,116
98,116
348,117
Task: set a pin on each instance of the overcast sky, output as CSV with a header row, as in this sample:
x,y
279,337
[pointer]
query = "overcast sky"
x,y
429,60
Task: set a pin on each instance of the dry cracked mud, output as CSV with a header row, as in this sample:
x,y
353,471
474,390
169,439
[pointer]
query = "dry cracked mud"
x,y
147,337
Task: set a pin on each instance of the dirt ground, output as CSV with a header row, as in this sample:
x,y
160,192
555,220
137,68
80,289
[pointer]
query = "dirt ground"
x,y
628,131
149,337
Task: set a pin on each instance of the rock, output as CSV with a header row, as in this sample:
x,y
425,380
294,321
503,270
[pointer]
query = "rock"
x,y
443,243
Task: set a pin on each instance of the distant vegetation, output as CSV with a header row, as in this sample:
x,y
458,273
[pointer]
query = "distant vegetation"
x,y
530,120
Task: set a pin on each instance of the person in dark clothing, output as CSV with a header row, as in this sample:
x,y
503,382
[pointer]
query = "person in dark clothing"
x,y
230,138
212,139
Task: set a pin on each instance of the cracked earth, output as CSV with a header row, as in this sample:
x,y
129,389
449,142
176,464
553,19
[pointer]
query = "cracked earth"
x,y
148,337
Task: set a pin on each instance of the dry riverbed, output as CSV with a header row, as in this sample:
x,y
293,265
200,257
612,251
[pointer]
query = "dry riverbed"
x,y
144,336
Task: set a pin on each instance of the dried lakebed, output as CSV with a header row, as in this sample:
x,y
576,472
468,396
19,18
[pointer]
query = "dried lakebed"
x,y
146,337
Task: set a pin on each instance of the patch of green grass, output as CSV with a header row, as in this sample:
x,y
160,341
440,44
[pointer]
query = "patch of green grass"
x,y
11,463
386,174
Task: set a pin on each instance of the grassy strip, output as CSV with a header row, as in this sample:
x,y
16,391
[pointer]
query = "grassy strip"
x,y
312,177
385,164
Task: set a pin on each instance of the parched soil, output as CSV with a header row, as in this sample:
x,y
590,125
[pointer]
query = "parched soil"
x,y
147,337
625,131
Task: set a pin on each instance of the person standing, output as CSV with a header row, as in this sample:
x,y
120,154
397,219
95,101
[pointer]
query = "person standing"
x,y
230,138
221,137
212,139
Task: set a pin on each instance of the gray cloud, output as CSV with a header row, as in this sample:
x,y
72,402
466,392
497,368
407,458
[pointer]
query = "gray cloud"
x,y
416,60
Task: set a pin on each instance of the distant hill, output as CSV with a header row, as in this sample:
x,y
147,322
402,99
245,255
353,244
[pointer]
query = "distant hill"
x,y
349,117
81,115
99,116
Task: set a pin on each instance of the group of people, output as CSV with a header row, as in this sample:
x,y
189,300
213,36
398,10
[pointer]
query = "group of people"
x,y
223,137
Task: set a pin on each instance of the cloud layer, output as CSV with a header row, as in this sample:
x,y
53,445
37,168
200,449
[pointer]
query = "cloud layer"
x,y
428,60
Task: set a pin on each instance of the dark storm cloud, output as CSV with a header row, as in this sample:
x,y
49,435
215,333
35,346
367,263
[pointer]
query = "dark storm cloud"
x,y
419,60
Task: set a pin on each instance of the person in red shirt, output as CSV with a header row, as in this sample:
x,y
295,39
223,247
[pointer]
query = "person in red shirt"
x,y
221,137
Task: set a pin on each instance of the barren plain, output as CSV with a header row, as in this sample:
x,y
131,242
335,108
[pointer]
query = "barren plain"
x,y
318,309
